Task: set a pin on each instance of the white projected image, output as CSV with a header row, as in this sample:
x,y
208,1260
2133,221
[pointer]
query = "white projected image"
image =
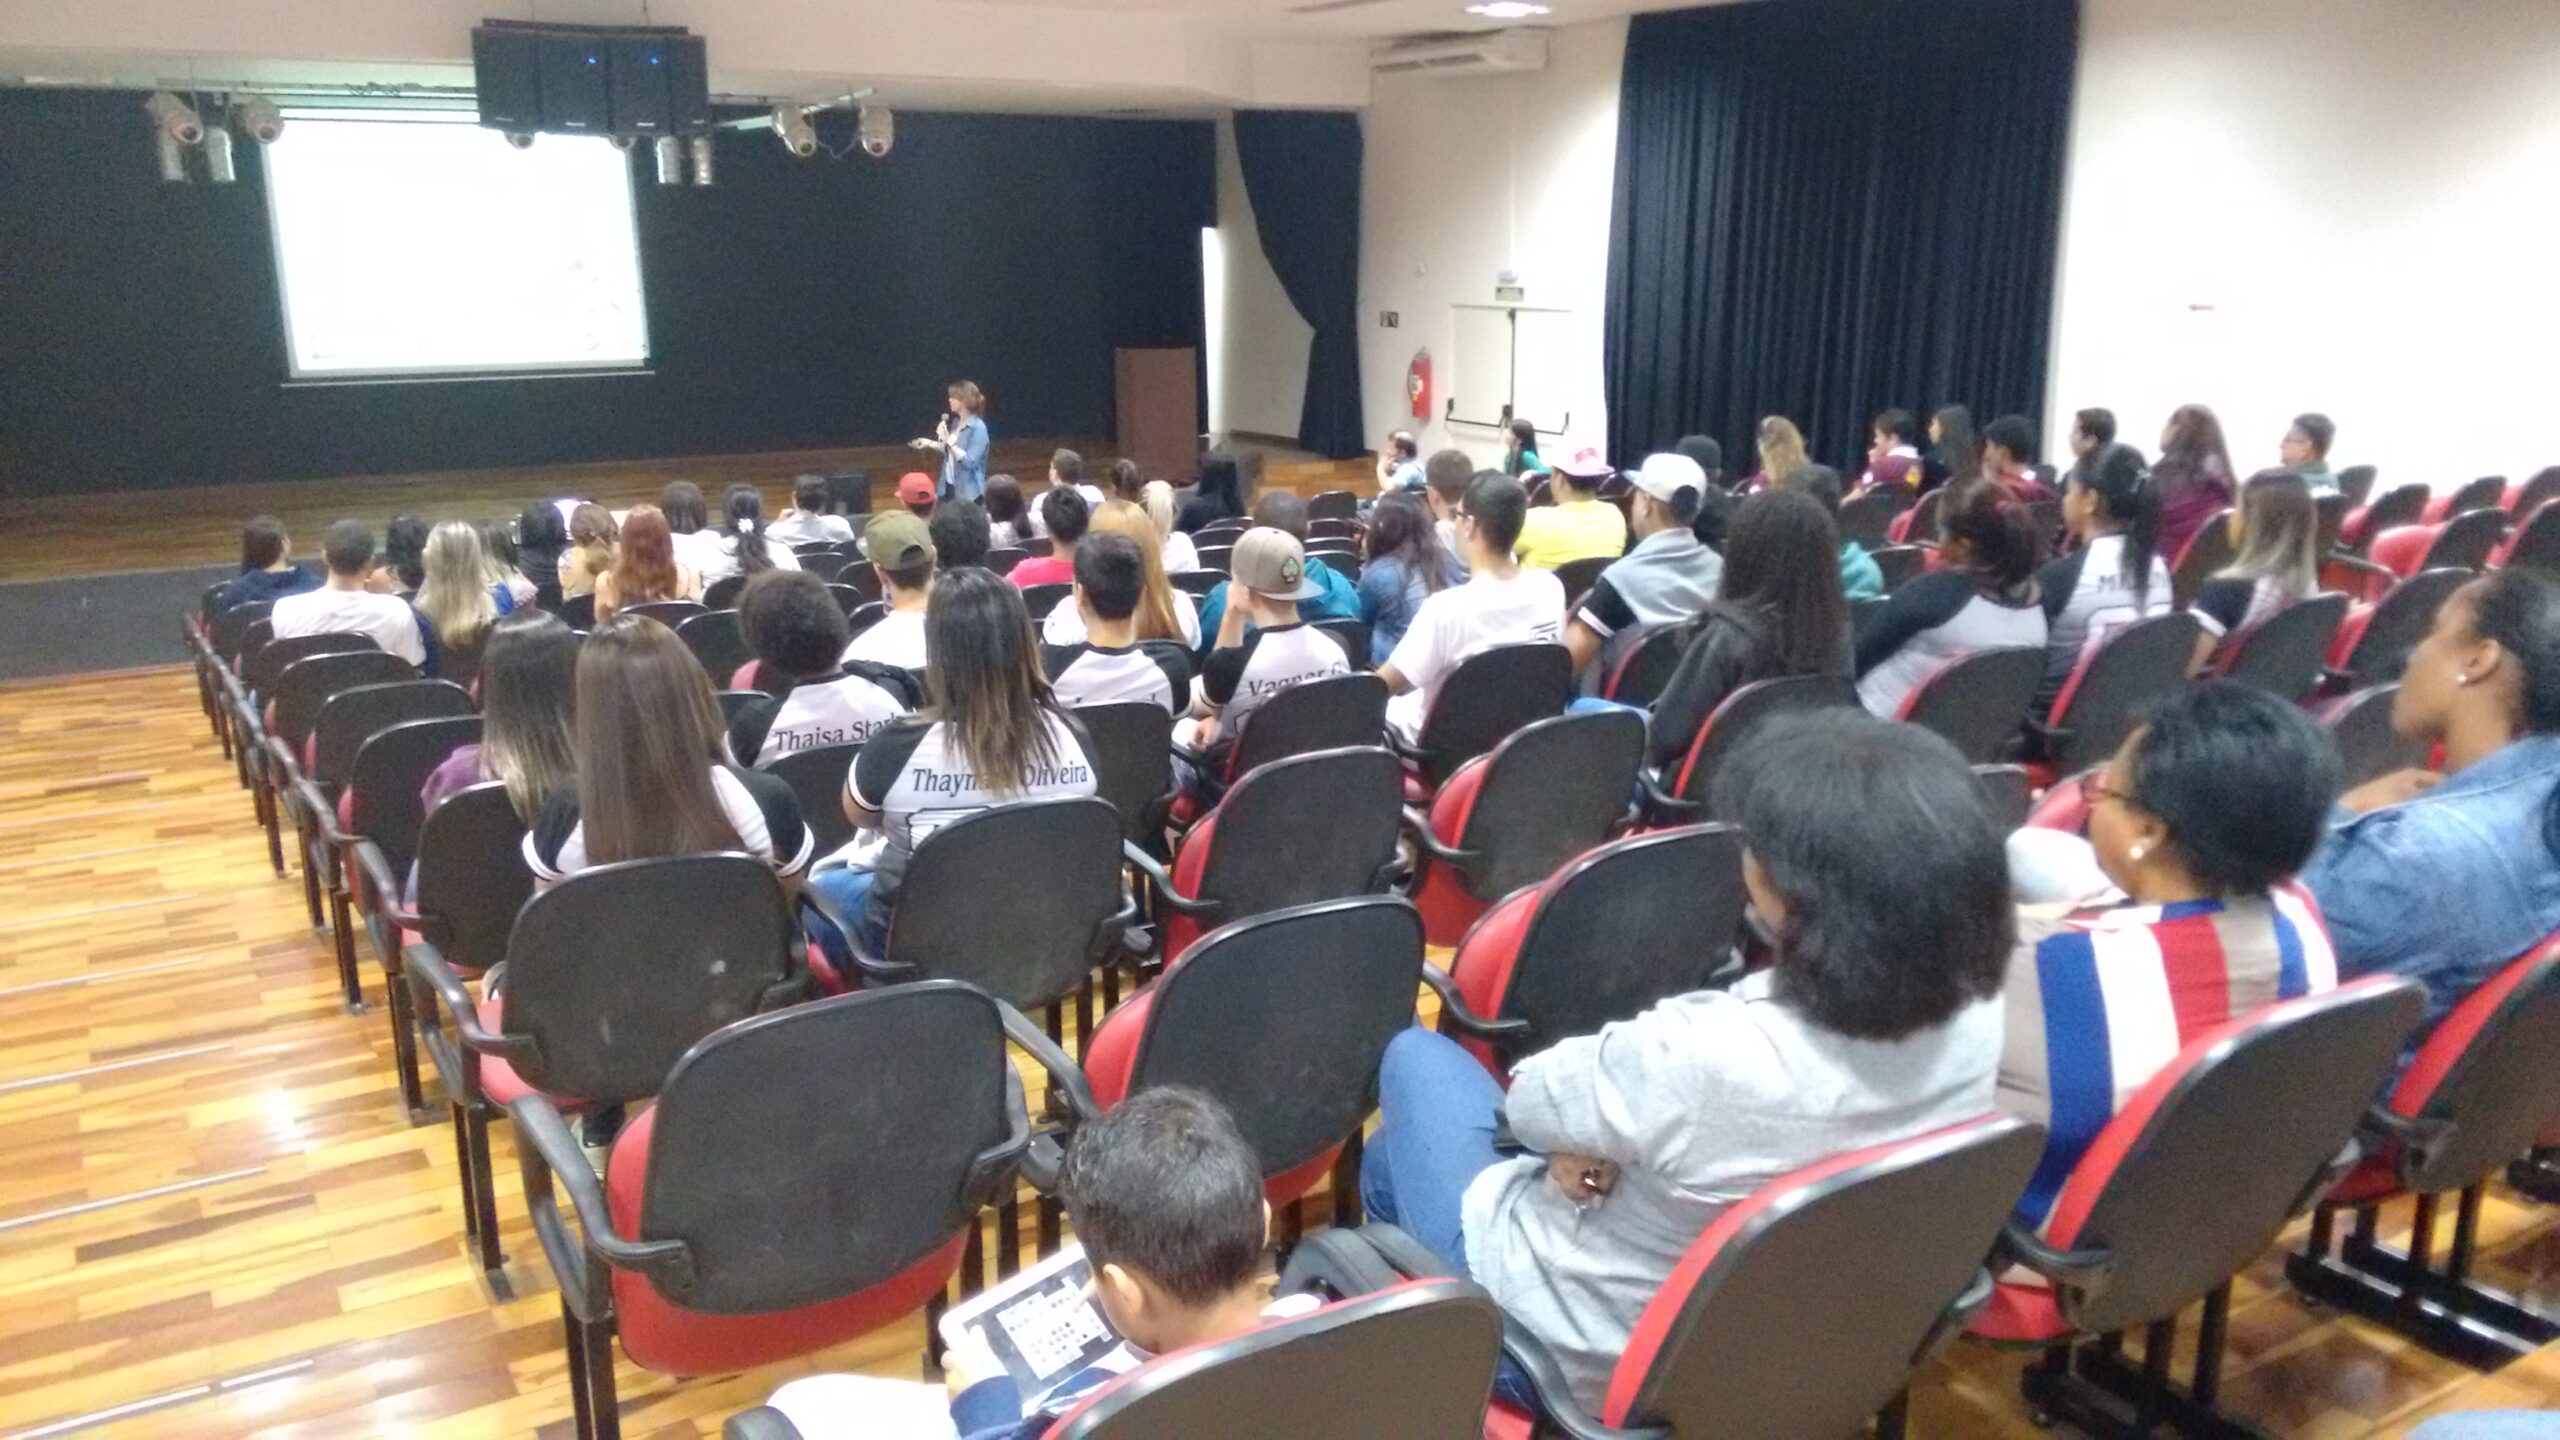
x,y
422,245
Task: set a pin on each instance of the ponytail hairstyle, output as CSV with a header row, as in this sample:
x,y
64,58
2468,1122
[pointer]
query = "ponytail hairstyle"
x,y
2000,539
742,520
2128,496
1126,483
2520,610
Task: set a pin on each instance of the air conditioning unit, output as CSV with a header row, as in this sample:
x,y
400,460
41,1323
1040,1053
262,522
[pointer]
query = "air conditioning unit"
x,y
1495,52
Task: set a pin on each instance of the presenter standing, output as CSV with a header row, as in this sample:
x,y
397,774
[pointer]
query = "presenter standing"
x,y
961,436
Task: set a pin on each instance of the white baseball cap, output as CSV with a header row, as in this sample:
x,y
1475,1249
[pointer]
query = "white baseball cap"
x,y
1664,476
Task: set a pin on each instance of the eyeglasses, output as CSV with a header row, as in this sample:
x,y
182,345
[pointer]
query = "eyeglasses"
x,y
2094,788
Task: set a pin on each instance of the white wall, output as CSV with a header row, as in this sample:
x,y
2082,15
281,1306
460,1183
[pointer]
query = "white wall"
x,y
2367,197
1470,177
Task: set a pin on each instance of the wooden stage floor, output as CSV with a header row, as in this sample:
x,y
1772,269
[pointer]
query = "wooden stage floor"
x,y
215,1220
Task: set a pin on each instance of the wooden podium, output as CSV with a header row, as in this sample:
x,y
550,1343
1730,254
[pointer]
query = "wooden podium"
x,y
1159,411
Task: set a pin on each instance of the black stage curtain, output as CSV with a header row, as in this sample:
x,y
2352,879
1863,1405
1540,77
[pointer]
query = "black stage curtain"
x,y
1302,175
1828,207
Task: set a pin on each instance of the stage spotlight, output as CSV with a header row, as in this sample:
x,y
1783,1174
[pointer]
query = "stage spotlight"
x,y
798,136
623,142
257,117
217,156
670,153
521,139
701,147
879,130
175,128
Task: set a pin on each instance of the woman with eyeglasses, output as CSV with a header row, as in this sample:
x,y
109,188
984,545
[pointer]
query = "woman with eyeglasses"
x,y
2200,821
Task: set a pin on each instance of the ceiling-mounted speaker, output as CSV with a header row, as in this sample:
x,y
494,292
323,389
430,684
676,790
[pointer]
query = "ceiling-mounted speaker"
x,y
505,70
638,69
577,95
688,85
635,81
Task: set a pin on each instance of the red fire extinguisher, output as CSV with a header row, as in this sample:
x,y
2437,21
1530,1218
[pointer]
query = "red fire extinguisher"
x,y
1417,384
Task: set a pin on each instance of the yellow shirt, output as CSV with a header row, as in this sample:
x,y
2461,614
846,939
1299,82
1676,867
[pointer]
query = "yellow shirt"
x,y
1574,530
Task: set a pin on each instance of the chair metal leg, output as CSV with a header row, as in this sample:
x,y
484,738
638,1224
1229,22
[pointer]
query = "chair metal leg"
x,y
574,1337
265,800
1346,1184
304,839
2211,1335
2538,1174
2093,1388
599,1410
1009,1235
2443,1310
1894,1420
480,1196
404,1047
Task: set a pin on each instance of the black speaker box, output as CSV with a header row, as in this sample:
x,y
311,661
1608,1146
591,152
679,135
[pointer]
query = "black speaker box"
x,y
505,70
688,85
576,83
638,67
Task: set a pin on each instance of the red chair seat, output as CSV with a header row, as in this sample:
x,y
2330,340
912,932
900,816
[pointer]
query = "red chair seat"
x,y
2375,1178
1447,909
2020,1314
1484,964
1189,862
1111,1057
1502,1422
498,1079
665,1337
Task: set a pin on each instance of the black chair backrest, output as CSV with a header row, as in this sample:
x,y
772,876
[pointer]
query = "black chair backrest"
x,y
1578,576
232,625
1041,599
1285,1017
2145,659
813,1153
2466,539
1333,505
2208,552
2284,653
722,594
1741,712
579,611
1866,518
2368,748
1003,558
472,878
2537,545
861,577
616,971
2495,1098
2489,492
1857,1261
1312,827
391,766
2009,792
2330,516
1354,635
2256,1113
1332,530
262,661
1899,563
1550,792
1979,700
2400,620
1326,714
351,717
1197,583
2355,483
670,613
305,685
1412,1361
1643,664
1622,928
816,778
1132,752
734,701
1011,899
2400,505
1491,694
2537,492
1216,557
716,641
859,614
1231,525
1924,517
828,565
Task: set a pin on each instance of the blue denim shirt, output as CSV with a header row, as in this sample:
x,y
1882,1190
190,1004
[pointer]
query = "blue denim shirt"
x,y
2449,887
964,461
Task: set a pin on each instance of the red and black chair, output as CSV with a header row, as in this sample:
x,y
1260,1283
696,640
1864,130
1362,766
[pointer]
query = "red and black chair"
x,y
1333,505
2009,793
2400,505
2374,641
1328,714
716,640
1353,636
817,780
250,684
1804,1309
670,613
1978,701
2355,483
1131,746
2102,701
1578,576
1678,795
804,1178
1308,828
1197,583
1898,563
612,975
2489,492
2477,1094
2464,542
2328,519
2536,541
2534,493
1041,599
2286,653
2192,1180
2368,748
1604,939
1491,694
1642,665
1548,793
2206,553
722,594
349,720
1284,1018
1865,518
293,707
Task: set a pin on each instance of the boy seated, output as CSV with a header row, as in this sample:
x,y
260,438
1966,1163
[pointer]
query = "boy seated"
x,y
1111,664
1262,647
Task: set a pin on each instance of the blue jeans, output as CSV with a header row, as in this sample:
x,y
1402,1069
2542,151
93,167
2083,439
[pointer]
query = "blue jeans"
x,y
849,890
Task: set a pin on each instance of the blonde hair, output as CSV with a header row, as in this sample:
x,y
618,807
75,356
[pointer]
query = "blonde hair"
x,y
1781,448
455,597
1155,616
1156,498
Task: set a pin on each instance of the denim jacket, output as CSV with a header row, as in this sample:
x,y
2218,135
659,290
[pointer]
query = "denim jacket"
x,y
2449,887
964,461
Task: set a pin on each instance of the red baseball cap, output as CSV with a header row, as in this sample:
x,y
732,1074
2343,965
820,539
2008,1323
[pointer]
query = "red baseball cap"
x,y
915,488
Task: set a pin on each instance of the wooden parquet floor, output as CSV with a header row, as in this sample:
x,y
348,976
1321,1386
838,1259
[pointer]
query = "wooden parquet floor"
x,y
215,1221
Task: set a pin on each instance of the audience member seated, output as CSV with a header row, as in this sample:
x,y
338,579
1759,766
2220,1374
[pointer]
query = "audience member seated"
x,y
2008,453
1954,456
654,775
994,733
899,547
1399,463
1164,613
1667,577
2115,576
401,566
506,563
542,538
1263,646
1778,612
1404,567
528,679
1166,1198
1520,452
1334,597
2305,451
1704,452
1066,472
2201,818
1109,661
807,522
916,492
740,546
1445,478
1217,495
1878,1020
2445,877
1860,577
344,604
1502,603
592,537
1781,450
2092,430
2194,473
1986,597
1892,460
267,571
813,697
645,568
1008,518
1580,525
1124,481
960,534
1064,515
460,600
1180,552
1715,503
688,519
2275,537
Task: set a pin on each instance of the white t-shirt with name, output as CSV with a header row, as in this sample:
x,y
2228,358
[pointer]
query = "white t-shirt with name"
x,y
897,639
846,709
1456,623
385,619
912,772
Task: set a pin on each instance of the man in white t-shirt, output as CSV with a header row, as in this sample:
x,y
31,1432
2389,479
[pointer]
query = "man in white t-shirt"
x,y
1066,472
1502,603
345,606
900,547
807,521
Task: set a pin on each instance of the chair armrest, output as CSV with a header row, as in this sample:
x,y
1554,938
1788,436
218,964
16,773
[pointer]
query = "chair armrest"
x,y
1044,1151
555,1152
1959,1313
1662,802
1418,825
2361,565
1558,1411
2085,1268
1405,750
423,964
815,901
1154,870
2051,737
312,802
1454,1009
762,1423
385,886
1346,1263
282,754
2386,1126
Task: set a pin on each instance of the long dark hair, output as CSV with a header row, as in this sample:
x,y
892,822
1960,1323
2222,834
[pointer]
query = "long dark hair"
x,y
2001,538
1219,482
1401,527
681,503
742,520
528,704
1782,561
541,536
648,734
983,677
2520,610
1957,455
2192,453
2128,496
404,550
